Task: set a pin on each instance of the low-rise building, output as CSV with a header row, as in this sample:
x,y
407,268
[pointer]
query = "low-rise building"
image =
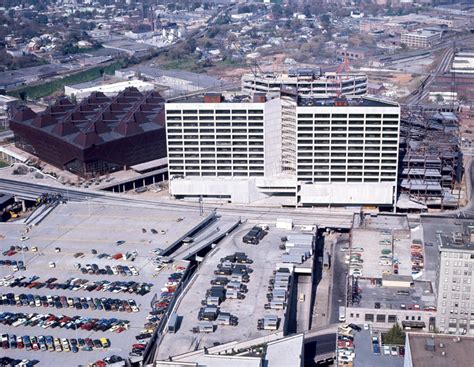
x,y
420,39
438,350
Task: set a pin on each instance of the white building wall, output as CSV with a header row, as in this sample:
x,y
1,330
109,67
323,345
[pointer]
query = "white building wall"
x,y
272,138
347,194
347,154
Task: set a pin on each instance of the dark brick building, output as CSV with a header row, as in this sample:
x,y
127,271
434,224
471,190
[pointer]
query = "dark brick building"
x,y
97,136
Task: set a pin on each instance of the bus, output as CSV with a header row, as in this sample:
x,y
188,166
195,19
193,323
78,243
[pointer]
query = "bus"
x,y
342,313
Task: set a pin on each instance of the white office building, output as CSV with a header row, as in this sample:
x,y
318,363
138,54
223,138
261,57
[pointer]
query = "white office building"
x,y
284,151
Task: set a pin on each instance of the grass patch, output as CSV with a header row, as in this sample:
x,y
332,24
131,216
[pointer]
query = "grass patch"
x,y
45,89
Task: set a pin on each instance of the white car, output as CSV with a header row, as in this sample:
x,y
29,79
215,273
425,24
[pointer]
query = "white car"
x,y
356,272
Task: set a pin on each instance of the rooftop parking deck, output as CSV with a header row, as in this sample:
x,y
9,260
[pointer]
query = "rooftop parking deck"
x,y
266,256
417,297
78,230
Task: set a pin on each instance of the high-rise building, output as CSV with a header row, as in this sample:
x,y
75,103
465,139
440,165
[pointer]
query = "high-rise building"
x,y
455,289
347,151
286,150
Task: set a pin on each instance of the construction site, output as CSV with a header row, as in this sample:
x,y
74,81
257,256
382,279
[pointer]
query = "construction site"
x,y
431,161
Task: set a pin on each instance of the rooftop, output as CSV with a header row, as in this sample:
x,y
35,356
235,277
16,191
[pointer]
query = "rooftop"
x,y
345,102
420,296
446,351
97,119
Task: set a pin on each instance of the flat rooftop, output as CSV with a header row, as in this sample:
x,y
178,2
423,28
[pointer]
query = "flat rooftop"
x,y
420,293
454,352
345,102
82,227
248,310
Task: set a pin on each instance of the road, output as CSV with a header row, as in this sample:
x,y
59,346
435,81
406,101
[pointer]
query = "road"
x,y
321,217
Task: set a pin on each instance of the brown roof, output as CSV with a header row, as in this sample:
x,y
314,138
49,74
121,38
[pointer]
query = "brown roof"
x,y
24,113
458,351
87,139
64,128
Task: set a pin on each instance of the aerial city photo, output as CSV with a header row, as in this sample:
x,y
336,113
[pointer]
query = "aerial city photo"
x,y
236,183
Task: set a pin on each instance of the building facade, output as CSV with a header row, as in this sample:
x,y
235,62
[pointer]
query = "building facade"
x,y
100,135
420,39
455,288
292,151
347,151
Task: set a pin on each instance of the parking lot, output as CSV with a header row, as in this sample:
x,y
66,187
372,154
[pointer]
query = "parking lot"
x,y
266,255
103,240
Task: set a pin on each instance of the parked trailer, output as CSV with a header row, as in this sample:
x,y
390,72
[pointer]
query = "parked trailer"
x,y
292,259
173,323
270,322
277,305
205,327
299,236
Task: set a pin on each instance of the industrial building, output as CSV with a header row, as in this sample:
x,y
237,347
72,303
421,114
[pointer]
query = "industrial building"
x,y
311,83
421,38
285,150
97,136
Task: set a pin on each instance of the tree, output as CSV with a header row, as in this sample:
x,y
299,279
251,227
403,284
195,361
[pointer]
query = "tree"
x,y
394,336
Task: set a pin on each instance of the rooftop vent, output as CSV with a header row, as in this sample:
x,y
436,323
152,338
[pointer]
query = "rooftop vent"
x,y
430,345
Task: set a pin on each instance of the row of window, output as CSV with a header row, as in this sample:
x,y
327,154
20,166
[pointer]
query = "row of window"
x,y
210,112
211,118
303,178
204,143
217,174
218,168
186,125
214,149
351,115
346,142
